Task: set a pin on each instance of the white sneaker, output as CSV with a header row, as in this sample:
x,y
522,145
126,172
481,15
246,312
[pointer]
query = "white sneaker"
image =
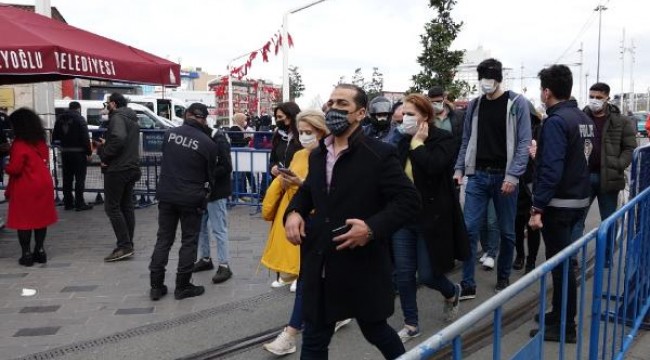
x,y
284,344
483,257
488,264
280,283
293,286
407,334
451,308
340,324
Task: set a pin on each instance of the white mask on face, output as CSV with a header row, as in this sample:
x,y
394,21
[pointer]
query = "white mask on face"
x,y
438,107
306,140
410,124
595,105
488,86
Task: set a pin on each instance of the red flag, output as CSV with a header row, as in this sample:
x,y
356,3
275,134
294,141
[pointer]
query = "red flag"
x,y
289,40
252,56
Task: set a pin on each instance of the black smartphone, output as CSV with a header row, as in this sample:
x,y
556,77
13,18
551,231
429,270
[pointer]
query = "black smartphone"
x,y
341,230
286,171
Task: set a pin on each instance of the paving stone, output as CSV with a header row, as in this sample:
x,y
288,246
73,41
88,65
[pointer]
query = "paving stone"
x,y
40,309
56,265
82,288
41,331
13,276
134,311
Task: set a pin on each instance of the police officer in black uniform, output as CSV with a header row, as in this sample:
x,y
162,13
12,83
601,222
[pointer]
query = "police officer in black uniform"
x,y
187,171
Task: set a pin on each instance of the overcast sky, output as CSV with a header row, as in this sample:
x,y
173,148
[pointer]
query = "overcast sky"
x,y
337,36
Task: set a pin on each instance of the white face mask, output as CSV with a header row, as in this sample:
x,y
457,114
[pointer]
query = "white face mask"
x,y
488,86
409,125
595,105
307,140
438,107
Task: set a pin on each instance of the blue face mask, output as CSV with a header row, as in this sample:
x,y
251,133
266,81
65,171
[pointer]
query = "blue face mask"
x,y
337,121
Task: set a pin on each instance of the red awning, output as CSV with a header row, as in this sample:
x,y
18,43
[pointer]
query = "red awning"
x,y
35,48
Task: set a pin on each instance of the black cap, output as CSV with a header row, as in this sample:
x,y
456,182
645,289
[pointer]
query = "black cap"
x,y
436,91
198,110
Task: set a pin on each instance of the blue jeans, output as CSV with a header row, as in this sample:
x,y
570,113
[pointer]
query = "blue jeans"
x,y
482,187
411,255
490,232
218,216
607,203
296,314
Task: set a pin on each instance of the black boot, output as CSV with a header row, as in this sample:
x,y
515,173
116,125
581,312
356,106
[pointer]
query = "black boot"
x,y
39,252
158,288
185,289
25,237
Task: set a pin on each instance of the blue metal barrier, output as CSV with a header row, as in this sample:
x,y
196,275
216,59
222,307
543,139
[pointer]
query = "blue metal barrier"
x,y
622,291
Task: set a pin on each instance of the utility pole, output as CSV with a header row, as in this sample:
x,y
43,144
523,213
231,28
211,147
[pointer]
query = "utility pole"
x,y
580,98
623,72
521,88
600,10
632,53
587,85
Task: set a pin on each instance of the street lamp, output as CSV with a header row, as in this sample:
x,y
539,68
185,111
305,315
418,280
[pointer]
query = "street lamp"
x,y
600,10
285,48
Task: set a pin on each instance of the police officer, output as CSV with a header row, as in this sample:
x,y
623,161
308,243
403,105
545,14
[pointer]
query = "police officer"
x,y
186,175
378,127
71,134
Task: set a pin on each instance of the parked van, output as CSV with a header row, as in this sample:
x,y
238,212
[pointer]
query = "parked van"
x,y
171,109
92,111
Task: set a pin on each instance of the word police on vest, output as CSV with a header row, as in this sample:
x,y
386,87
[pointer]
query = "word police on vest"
x,y
184,141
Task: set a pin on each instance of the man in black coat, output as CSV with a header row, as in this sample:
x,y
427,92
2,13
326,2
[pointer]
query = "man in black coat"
x,y
360,195
71,134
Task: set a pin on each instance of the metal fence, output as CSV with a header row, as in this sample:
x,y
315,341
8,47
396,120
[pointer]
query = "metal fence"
x,y
250,176
608,317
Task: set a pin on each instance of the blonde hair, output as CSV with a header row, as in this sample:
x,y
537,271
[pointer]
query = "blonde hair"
x,y
315,118
238,116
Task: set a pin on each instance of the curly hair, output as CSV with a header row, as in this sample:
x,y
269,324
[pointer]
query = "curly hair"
x,y
27,126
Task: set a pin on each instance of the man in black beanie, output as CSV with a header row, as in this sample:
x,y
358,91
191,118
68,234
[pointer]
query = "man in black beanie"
x,y
493,155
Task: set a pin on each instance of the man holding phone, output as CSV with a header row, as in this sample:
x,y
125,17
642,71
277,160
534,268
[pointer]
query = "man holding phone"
x,y
360,195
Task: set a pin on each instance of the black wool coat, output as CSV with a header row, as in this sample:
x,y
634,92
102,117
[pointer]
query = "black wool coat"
x,y
441,218
368,183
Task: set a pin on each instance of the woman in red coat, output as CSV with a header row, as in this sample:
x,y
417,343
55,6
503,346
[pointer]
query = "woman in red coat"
x,y
30,190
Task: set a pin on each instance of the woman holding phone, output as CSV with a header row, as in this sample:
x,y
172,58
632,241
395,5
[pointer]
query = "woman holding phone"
x,y
280,255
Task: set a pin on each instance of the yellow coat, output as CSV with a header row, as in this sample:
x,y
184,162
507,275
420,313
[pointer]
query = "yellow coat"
x,y
279,254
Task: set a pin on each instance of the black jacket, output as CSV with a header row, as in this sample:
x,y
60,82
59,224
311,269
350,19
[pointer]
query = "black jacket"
x,y
188,165
368,183
457,118
222,186
565,144
71,133
441,218
121,151
282,150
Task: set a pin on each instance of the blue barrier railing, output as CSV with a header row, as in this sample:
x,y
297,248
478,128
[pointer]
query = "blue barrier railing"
x,y
620,296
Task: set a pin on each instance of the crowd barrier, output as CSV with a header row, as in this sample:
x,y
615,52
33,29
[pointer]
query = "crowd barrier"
x,y
250,176
608,317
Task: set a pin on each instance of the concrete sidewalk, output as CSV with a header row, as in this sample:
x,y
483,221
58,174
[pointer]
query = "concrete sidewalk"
x,y
79,296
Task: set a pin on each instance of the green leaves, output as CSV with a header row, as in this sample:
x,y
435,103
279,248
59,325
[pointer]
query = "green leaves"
x,y
296,86
438,62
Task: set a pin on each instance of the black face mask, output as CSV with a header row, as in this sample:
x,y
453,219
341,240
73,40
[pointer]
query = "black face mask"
x,y
380,125
337,121
282,125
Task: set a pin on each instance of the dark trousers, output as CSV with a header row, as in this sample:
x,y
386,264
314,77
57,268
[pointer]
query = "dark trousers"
x,y
169,216
521,224
558,225
316,339
74,170
118,190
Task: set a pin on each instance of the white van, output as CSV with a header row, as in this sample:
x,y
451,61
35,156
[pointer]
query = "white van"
x,y
92,111
171,109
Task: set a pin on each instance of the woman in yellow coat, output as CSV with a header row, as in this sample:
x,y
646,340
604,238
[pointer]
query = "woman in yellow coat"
x,y
279,254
